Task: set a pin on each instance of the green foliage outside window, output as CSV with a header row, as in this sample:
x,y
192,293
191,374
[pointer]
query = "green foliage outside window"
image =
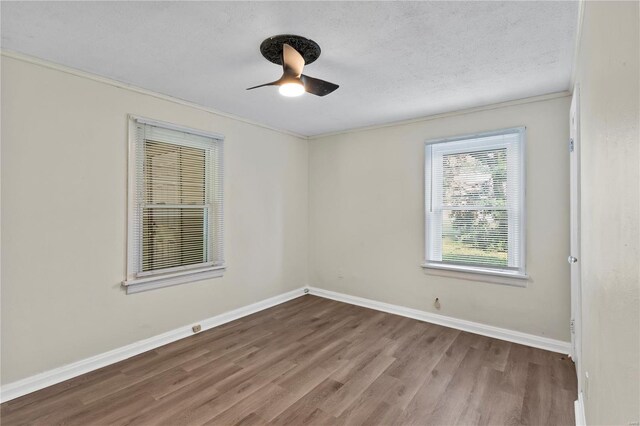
x,y
475,228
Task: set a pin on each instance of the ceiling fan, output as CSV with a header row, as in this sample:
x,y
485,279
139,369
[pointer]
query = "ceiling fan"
x,y
293,53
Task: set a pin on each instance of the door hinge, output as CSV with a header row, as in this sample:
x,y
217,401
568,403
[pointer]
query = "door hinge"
x,y
572,326
571,145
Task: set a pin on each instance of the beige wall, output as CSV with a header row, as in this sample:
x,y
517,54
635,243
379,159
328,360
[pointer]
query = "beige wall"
x,y
610,248
366,209
63,226
64,156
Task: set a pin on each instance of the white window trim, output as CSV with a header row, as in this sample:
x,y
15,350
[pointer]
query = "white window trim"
x,y
479,273
137,282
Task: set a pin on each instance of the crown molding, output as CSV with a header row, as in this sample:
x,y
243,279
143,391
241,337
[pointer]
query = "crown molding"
x,y
121,85
105,80
529,100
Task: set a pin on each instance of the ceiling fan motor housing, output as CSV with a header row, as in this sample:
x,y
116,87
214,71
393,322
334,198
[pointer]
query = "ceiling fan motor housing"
x,y
271,48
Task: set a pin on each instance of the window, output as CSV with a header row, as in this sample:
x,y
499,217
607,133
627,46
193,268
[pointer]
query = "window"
x,y
474,199
175,206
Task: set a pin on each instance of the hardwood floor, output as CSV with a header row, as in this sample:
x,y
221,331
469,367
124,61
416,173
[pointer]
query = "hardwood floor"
x,y
316,361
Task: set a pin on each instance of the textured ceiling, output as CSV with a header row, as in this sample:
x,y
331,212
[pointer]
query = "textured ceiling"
x,y
393,60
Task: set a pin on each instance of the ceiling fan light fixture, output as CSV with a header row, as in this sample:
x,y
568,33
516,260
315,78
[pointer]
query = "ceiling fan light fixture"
x,y
293,53
292,89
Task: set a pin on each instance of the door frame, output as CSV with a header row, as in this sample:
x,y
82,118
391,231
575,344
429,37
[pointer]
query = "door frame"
x,y
574,208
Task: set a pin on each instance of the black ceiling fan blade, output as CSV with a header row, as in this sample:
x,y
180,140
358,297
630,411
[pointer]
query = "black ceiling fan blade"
x,y
273,83
316,86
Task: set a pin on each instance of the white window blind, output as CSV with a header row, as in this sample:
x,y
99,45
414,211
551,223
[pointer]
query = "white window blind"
x,y
176,206
474,199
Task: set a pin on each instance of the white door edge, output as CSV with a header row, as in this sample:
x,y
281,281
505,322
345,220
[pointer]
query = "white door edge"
x,y
574,178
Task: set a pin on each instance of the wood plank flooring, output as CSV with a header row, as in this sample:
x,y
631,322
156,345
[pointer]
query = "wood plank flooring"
x,y
316,361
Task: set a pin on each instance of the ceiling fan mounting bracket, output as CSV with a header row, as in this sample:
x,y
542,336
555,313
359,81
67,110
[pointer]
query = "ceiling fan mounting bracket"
x,y
271,48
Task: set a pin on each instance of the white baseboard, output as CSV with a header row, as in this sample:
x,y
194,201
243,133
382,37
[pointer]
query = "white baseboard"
x,y
581,419
48,378
31,384
470,326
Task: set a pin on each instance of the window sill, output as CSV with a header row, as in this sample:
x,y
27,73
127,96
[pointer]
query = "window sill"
x,y
137,285
474,274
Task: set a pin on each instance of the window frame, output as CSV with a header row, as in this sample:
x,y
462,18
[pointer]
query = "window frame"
x,y
485,273
138,280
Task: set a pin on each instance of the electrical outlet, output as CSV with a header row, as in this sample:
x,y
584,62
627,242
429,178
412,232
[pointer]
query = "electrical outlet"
x,y
196,328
